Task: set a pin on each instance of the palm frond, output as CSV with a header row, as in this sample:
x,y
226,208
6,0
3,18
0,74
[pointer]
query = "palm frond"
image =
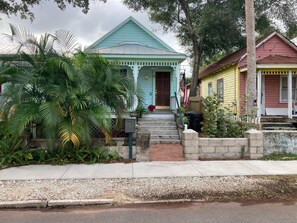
x,y
51,112
66,42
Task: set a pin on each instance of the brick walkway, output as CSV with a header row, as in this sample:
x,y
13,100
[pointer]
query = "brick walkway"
x,y
167,152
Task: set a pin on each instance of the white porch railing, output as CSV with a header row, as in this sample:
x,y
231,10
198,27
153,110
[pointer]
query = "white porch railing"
x,y
247,119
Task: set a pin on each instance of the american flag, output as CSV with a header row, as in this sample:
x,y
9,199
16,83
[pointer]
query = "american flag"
x,y
186,99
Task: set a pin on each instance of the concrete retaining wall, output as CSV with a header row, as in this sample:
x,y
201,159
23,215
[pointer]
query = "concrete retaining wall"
x,y
278,141
222,148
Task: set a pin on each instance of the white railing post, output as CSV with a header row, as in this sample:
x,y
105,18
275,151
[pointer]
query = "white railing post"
x,y
290,94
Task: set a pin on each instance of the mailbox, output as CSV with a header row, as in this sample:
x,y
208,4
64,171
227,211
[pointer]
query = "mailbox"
x,y
130,125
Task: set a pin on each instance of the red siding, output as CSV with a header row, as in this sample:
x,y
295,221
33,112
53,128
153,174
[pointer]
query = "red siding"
x,y
242,90
272,92
274,46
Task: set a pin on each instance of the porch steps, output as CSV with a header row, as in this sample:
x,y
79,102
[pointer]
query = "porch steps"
x,y
278,123
278,126
163,128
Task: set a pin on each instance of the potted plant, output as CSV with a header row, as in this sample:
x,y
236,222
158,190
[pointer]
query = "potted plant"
x,y
151,108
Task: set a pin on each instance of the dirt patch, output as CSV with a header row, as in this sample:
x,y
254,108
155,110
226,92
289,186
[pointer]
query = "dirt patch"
x,y
276,188
227,188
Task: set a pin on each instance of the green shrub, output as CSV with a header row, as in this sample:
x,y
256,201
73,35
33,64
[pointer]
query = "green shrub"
x,y
11,153
219,121
141,110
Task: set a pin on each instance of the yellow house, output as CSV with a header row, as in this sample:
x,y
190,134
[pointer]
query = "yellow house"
x,y
276,77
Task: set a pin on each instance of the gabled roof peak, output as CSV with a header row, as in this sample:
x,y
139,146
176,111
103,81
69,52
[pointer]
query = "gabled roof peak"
x,y
239,55
139,25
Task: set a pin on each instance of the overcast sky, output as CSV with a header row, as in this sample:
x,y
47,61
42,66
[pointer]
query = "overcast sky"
x,y
86,27
89,27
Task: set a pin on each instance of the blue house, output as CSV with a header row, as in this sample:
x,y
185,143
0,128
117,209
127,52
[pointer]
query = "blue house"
x,y
154,65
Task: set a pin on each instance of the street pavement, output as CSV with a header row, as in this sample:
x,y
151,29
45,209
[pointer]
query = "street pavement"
x,y
151,169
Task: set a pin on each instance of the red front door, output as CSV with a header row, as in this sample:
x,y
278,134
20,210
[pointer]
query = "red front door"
x,y
162,88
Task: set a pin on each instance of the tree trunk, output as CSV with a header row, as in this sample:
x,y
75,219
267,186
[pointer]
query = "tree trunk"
x,y
196,62
196,55
251,57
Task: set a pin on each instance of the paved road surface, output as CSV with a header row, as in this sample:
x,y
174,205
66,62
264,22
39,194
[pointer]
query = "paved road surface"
x,y
177,213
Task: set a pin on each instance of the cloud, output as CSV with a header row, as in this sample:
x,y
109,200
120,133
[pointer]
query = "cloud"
x,y
86,27
89,27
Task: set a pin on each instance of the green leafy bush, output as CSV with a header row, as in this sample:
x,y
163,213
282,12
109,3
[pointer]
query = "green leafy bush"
x,y
11,153
86,155
141,110
220,122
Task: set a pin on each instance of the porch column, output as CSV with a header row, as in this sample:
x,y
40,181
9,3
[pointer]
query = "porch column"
x,y
177,74
135,70
259,92
135,73
290,94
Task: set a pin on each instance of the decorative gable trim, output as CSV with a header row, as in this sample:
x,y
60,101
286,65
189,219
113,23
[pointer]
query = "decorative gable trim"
x,y
139,25
286,40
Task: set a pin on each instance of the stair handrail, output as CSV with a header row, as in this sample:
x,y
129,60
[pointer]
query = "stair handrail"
x,y
179,110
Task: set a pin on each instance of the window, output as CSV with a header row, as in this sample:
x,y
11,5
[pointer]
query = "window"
x,y
209,89
124,72
220,89
284,89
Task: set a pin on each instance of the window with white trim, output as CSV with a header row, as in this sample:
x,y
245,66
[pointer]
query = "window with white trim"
x,y
284,89
220,89
209,89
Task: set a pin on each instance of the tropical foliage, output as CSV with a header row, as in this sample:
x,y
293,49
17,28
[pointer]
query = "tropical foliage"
x,y
64,91
220,122
23,7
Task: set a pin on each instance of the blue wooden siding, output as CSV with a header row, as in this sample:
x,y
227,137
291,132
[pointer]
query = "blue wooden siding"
x,y
145,85
130,32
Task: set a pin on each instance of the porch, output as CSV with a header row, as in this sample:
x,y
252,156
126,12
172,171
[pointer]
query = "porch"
x,y
276,93
156,80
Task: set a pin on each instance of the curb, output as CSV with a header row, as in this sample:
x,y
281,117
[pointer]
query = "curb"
x,y
59,203
24,204
161,201
68,203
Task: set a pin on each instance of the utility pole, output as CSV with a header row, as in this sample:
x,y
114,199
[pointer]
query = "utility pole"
x,y
251,89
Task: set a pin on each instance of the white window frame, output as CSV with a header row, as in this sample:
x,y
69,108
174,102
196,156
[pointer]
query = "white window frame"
x,y
209,89
220,95
294,90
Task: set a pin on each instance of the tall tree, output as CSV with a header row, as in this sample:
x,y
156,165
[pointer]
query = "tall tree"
x,y
251,55
23,7
197,26
211,27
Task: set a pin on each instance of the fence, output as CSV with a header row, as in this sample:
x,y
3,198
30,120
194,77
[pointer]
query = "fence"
x,y
117,130
222,148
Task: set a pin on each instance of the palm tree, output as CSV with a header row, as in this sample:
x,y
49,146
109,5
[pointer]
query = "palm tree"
x,y
66,93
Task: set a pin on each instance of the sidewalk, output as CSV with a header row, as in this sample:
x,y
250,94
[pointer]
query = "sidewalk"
x,y
151,169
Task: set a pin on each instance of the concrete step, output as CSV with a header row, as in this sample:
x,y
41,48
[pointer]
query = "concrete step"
x,y
165,132
280,119
165,137
157,123
156,119
277,124
280,128
165,141
158,128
